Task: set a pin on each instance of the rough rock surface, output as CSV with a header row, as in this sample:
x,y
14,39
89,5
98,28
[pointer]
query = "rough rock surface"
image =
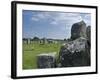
x,y
46,60
88,32
75,53
78,30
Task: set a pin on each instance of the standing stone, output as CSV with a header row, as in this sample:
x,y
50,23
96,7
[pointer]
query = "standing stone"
x,y
25,41
44,41
28,41
78,30
88,32
46,60
75,53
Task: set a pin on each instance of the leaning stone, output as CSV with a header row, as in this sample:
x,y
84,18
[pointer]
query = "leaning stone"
x,y
78,30
75,53
46,60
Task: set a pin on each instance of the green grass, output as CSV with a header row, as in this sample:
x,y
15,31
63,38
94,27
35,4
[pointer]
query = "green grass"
x,y
30,52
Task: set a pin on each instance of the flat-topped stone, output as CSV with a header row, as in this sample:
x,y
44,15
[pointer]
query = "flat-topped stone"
x,y
46,60
48,54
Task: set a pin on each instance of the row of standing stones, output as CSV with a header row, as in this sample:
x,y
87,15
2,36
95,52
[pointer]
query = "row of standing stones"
x,y
74,53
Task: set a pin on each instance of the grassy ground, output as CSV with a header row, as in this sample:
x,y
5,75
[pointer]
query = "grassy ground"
x,y
30,51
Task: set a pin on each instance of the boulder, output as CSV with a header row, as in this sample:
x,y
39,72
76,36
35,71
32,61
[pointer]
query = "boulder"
x,y
46,60
78,30
75,53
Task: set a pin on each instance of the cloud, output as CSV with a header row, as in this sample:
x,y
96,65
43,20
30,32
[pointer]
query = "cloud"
x,y
57,18
54,23
87,19
61,20
67,18
34,19
41,15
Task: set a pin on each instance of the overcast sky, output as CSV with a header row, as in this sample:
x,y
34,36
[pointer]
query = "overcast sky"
x,y
56,25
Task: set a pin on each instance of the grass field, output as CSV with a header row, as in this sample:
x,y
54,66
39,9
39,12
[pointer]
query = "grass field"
x,y
30,52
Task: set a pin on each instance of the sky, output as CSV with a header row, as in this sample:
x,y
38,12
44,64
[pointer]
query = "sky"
x,y
50,24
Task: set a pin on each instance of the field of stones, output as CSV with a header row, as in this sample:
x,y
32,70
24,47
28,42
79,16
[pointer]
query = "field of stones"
x,y
50,53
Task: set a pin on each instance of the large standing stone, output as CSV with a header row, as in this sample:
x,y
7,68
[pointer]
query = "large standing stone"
x,y
46,60
78,30
75,53
88,32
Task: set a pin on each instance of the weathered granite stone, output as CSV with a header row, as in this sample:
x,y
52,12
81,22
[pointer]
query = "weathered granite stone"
x,y
75,53
88,32
78,30
46,60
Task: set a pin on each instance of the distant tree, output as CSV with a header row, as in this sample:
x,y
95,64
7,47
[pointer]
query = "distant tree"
x,y
65,39
36,38
24,38
69,39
